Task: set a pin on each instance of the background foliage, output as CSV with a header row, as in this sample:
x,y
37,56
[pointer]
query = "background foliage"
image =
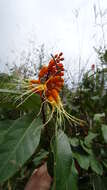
x,y
80,153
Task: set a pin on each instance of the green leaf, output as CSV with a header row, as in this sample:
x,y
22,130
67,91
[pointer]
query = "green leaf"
x,y
72,183
40,157
96,165
82,159
104,132
62,161
74,141
99,183
32,103
88,139
4,127
18,145
98,116
87,149
104,162
96,98
8,98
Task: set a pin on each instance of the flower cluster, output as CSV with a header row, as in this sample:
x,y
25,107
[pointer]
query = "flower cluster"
x,y
50,80
48,86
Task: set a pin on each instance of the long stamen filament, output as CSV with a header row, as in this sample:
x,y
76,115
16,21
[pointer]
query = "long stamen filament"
x,y
49,117
21,96
27,98
78,121
41,107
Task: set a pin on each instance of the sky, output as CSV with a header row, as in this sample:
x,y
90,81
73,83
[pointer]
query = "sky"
x,y
62,25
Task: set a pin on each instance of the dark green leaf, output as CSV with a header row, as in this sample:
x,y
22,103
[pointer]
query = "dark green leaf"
x,y
40,157
104,161
72,183
4,127
62,161
96,165
32,103
82,159
88,139
18,145
87,149
99,183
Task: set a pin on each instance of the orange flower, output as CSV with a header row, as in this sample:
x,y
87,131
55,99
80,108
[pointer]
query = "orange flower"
x,y
50,80
49,84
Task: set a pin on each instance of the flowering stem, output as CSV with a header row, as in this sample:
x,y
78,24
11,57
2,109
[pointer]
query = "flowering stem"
x,y
44,121
43,111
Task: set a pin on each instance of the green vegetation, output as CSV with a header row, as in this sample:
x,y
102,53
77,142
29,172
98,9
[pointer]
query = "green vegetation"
x,y
79,153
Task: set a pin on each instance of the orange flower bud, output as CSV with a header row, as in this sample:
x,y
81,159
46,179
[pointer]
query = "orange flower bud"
x,y
33,81
50,98
43,71
51,63
55,94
